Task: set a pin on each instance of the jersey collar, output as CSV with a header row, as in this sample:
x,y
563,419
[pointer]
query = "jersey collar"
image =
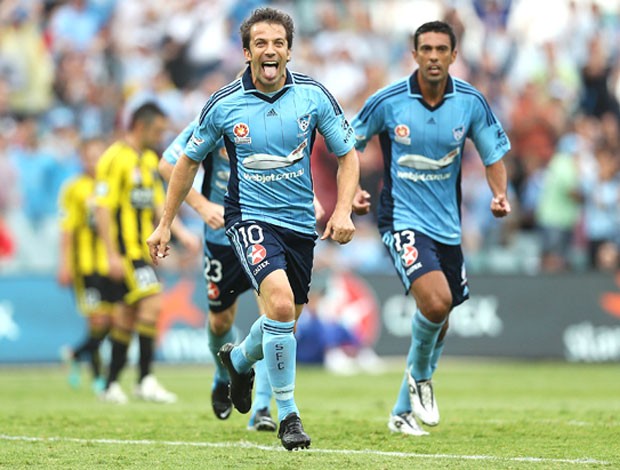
x,y
249,87
416,92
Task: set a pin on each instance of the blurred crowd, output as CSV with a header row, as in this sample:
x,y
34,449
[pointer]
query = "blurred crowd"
x,y
72,70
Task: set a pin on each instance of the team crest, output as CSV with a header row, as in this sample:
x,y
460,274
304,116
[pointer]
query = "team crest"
x,y
402,134
409,255
304,122
213,292
458,133
241,131
256,253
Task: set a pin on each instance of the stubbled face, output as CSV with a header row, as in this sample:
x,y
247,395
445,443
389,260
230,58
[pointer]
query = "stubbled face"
x,y
268,55
152,133
434,56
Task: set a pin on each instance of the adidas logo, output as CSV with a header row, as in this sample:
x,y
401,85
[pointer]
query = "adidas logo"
x,y
271,113
431,121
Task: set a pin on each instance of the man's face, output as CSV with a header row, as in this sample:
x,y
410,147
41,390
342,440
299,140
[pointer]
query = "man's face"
x,y
434,56
268,55
153,132
90,155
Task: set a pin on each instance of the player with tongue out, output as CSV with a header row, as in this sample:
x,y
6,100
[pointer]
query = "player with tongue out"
x,y
268,119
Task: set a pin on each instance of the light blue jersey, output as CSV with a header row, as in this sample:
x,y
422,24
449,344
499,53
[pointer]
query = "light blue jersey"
x,y
422,148
216,173
269,139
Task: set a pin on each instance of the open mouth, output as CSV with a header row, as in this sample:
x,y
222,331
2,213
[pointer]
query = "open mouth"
x,y
270,69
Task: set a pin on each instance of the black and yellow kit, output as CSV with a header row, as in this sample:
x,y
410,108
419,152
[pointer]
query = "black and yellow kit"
x,y
129,185
88,258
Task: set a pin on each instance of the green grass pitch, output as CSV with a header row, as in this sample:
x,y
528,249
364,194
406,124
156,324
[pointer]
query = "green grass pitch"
x,y
494,414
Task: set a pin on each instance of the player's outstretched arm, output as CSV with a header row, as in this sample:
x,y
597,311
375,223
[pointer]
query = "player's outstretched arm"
x,y
181,181
211,213
340,227
497,179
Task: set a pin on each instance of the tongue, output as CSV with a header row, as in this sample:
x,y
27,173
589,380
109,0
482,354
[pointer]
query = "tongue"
x,y
270,71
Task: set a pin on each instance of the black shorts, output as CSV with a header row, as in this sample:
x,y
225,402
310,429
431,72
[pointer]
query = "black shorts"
x,y
112,291
263,248
140,280
414,254
96,294
224,277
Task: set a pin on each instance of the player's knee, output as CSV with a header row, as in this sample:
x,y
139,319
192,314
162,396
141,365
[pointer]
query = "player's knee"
x,y
220,323
281,308
437,308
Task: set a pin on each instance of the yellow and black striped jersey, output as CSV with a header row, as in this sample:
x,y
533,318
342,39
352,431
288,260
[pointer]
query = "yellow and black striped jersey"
x,y
129,185
88,254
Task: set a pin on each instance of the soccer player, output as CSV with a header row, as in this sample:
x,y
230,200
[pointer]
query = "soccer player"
x,y
268,119
83,263
422,122
129,196
225,279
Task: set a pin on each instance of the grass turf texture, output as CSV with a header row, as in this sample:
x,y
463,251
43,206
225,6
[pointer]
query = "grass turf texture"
x,y
494,415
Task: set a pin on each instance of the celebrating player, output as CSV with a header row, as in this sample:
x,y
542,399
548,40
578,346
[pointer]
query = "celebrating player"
x,y
225,280
268,119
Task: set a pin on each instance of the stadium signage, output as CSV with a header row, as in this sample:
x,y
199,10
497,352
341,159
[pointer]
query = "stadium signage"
x,y
507,316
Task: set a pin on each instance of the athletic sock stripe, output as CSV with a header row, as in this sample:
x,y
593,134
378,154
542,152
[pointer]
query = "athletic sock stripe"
x,y
277,330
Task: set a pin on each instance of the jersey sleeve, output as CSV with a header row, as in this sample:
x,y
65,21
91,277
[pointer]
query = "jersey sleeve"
x,y
367,122
205,135
176,148
108,181
159,193
333,126
487,134
67,207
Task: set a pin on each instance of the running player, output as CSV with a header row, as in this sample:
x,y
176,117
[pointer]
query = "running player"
x,y
422,122
225,280
268,119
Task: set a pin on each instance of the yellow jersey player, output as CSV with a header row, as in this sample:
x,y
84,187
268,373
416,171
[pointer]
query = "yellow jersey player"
x,y
129,199
84,263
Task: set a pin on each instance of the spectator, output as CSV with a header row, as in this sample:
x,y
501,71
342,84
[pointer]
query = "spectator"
x,y
74,26
559,208
26,61
597,97
601,196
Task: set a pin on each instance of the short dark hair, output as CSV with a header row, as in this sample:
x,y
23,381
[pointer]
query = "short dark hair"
x,y
267,15
435,27
146,113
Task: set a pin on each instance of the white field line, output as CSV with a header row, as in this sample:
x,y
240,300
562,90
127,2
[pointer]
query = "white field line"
x,y
250,445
